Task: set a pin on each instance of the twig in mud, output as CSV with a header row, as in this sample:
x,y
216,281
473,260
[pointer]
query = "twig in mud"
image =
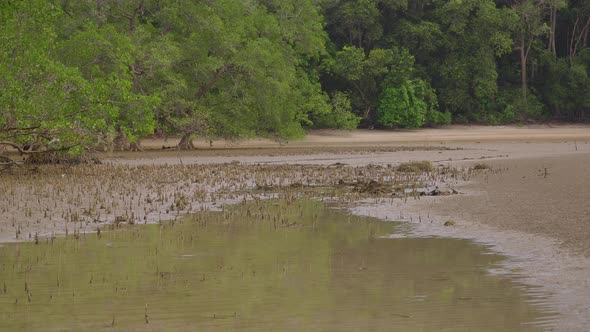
x,y
544,172
402,316
147,318
179,157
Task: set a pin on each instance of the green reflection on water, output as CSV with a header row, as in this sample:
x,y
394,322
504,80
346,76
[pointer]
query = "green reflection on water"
x,y
269,266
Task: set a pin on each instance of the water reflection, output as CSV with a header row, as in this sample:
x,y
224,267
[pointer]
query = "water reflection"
x,y
282,266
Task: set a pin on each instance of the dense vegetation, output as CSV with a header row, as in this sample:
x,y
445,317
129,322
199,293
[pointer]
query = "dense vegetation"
x,y
83,73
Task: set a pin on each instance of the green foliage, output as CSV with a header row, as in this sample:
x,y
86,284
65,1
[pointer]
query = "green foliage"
x,y
509,107
84,72
401,107
567,87
350,63
530,108
436,118
408,101
402,67
225,68
240,69
358,22
301,25
42,102
340,116
476,33
362,75
103,56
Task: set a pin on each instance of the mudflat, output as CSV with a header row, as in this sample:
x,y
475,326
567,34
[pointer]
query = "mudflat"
x,y
538,182
523,189
547,195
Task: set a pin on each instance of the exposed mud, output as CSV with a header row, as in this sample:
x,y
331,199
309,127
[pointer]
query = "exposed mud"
x,y
535,210
523,190
76,199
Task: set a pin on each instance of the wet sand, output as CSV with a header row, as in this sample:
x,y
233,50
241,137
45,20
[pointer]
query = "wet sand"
x,y
547,196
534,210
540,181
533,205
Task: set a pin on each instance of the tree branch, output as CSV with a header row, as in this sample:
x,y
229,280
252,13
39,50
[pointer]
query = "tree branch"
x,y
22,151
19,129
15,146
216,77
6,163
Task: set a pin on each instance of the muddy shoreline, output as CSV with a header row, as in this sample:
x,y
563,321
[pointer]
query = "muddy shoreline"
x,y
531,204
543,233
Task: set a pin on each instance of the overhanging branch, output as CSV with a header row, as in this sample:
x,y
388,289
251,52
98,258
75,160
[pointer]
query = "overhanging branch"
x,y
22,151
216,77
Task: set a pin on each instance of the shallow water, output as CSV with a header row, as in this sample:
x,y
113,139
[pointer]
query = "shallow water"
x,y
265,266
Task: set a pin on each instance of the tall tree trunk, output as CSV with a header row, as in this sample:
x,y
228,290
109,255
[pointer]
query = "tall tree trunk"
x,y
135,146
217,75
133,16
361,37
136,72
523,61
572,41
121,143
585,33
186,142
579,37
553,15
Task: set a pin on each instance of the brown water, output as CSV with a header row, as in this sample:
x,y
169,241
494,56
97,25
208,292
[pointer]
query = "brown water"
x,y
262,266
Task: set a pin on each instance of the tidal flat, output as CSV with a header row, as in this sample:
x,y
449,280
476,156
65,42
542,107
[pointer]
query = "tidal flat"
x,y
518,193
283,264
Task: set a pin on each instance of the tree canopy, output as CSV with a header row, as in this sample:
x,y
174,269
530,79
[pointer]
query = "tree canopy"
x,y
79,74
